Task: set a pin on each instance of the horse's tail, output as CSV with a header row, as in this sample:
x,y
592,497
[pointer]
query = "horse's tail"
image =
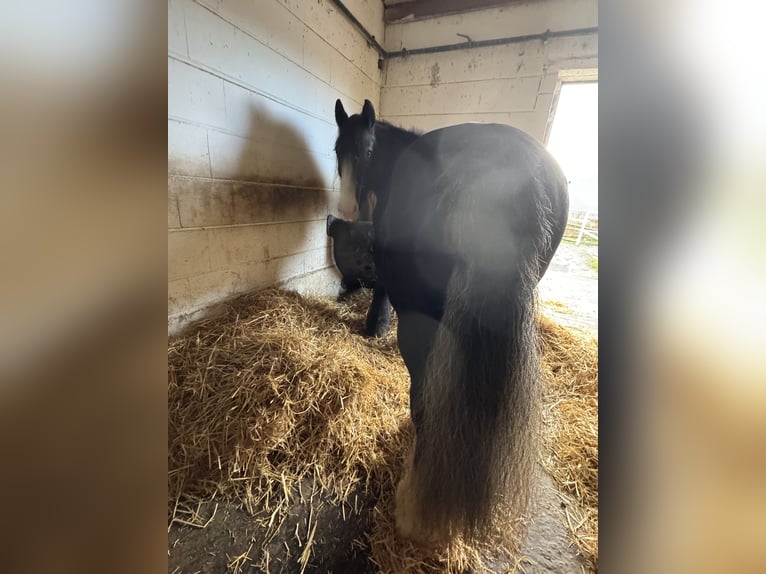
x,y
476,449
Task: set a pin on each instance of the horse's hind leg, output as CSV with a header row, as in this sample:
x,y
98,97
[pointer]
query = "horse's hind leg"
x,y
416,334
415,337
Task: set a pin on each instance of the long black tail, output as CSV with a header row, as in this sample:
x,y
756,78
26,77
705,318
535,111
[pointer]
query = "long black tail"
x,y
476,448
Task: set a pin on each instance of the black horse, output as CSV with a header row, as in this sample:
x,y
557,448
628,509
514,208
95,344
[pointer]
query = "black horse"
x,y
466,222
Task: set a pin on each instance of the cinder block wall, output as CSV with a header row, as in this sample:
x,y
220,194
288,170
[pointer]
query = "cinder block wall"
x,y
251,90
251,169
512,84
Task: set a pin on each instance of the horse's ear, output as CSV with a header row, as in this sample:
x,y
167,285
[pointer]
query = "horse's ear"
x,y
340,114
368,113
330,221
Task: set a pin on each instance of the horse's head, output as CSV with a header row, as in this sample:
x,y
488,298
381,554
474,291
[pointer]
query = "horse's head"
x,y
353,148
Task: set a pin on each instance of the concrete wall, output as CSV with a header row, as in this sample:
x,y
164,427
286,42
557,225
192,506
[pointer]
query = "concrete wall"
x,y
251,90
251,168
514,84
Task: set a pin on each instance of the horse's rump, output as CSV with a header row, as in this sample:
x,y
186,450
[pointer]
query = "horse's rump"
x,y
474,215
484,194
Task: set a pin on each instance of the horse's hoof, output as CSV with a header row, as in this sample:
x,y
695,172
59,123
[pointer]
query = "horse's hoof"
x,y
377,331
404,512
407,524
376,334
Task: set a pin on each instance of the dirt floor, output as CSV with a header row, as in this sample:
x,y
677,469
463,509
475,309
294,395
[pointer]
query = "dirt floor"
x,y
232,543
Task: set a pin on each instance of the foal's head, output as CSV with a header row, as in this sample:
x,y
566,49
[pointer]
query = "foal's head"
x,y
354,147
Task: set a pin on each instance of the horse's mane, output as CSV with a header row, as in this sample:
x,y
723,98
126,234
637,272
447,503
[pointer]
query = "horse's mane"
x,y
395,133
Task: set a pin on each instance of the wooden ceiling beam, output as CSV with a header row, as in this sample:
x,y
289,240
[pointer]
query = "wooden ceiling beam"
x,y
430,8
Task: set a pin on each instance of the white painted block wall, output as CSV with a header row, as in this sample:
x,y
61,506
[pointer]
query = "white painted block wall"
x,y
251,90
512,84
251,169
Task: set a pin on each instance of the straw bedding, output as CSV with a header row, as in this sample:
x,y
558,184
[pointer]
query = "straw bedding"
x,y
570,415
280,388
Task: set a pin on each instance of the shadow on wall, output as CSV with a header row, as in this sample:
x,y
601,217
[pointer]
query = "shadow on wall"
x,y
260,219
283,196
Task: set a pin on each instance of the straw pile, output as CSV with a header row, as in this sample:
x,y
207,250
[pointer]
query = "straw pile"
x,y
570,415
281,388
